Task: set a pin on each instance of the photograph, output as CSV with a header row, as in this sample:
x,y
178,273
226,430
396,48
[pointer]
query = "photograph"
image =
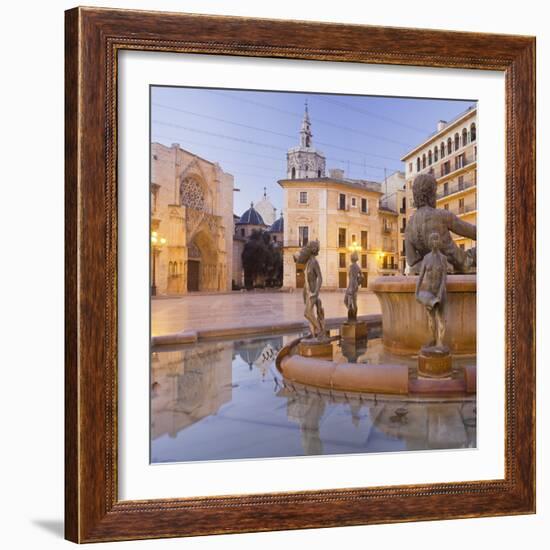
x,y
313,270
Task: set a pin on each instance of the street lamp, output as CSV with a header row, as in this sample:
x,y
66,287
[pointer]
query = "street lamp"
x,y
354,247
157,243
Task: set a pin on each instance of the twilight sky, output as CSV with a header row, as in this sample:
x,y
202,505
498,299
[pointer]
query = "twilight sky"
x,y
249,132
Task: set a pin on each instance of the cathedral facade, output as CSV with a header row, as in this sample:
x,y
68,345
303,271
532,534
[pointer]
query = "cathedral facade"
x,y
191,223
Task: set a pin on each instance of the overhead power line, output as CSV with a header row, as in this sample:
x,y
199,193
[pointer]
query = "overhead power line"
x,y
371,114
291,136
257,143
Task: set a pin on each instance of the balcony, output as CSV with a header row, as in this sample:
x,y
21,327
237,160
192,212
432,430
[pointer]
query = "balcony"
x,y
386,230
456,188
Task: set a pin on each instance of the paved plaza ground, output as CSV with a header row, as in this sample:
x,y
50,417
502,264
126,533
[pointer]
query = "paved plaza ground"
x,y
208,311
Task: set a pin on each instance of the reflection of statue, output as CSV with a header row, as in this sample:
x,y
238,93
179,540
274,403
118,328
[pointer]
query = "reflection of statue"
x,y
355,278
313,312
427,220
431,291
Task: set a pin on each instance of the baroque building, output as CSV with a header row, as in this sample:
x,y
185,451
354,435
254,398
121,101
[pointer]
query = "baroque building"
x,y
450,154
191,222
344,214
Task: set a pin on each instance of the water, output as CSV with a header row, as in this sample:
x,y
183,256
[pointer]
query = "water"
x,y
227,400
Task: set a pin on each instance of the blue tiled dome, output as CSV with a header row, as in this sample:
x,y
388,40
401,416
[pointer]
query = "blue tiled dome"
x,y
278,226
251,217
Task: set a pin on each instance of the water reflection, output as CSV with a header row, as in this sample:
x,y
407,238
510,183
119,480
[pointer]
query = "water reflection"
x,y
226,400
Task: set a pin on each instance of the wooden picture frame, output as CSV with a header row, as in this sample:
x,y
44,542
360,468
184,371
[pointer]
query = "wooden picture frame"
x,y
93,511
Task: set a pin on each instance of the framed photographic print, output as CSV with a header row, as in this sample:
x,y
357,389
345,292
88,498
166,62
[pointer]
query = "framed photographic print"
x,y
300,275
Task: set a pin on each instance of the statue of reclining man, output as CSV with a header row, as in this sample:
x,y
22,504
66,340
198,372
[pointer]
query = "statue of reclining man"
x,y
428,220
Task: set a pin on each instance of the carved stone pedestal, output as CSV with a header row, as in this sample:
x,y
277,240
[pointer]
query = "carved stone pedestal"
x,y
354,331
435,362
313,348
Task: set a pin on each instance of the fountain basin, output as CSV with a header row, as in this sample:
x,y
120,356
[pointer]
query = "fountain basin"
x,y
405,322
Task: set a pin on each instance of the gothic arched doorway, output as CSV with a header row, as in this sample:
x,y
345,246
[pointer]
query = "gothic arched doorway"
x,y
202,263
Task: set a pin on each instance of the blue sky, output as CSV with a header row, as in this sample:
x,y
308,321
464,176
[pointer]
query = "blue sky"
x,y
249,132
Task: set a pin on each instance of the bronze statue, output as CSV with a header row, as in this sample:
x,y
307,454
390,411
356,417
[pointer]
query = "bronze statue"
x,y
313,312
427,220
431,290
355,277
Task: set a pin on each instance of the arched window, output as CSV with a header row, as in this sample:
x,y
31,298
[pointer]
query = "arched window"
x,y
464,137
318,173
293,172
424,161
473,131
442,149
449,146
436,154
307,141
418,164
457,141
430,156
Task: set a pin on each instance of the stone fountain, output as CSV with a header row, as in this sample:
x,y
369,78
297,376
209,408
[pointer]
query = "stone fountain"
x,y
428,317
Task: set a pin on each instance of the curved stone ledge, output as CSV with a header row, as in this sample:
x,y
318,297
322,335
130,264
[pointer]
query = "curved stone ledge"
x,y
389,379
405,323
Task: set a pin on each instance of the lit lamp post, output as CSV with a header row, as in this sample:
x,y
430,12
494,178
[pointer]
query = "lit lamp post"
x,y
354,247
156,245
381,259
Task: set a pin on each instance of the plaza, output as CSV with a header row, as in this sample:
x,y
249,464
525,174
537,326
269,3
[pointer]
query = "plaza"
x,y
199,311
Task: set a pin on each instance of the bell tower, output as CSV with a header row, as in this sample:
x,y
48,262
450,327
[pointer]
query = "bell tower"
x,y
304,161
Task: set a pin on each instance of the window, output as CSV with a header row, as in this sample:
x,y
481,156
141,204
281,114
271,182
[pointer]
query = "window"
x,y
341,201
243,232
364,206
353,202
363,261
424,161
430,156
353,238
342,237
293,173
274,238
446,206
446,168
473,131
436,154
461,246
460,183
303,235
318,173
303,197
342,259
449,146
460,161
464,137
446,188
461,206
364,240
442,149
410,166
457,141
418,164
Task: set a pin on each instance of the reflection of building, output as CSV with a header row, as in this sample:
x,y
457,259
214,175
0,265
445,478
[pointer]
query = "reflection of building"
x,y
259,353
189,385
451,155
342,213
192,209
